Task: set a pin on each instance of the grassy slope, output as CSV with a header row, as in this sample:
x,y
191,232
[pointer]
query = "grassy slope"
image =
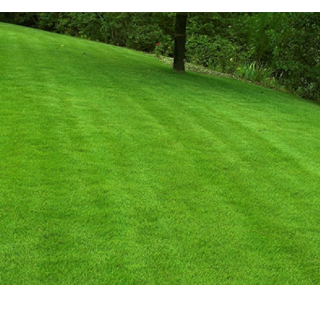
x,y
116,170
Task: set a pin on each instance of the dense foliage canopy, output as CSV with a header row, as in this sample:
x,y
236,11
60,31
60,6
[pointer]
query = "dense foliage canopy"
x,y
277,49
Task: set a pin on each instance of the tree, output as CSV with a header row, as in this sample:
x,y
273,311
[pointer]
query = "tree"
x,y
180,41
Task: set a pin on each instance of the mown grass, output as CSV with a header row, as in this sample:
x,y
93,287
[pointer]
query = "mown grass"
x,y
116,170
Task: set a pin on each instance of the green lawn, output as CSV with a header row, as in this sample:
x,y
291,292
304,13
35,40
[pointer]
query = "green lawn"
x,y
116,170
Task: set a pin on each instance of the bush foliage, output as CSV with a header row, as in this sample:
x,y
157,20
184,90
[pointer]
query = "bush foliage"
x,y
265,47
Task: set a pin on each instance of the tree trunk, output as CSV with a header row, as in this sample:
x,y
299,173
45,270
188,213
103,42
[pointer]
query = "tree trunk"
x,y
180,42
